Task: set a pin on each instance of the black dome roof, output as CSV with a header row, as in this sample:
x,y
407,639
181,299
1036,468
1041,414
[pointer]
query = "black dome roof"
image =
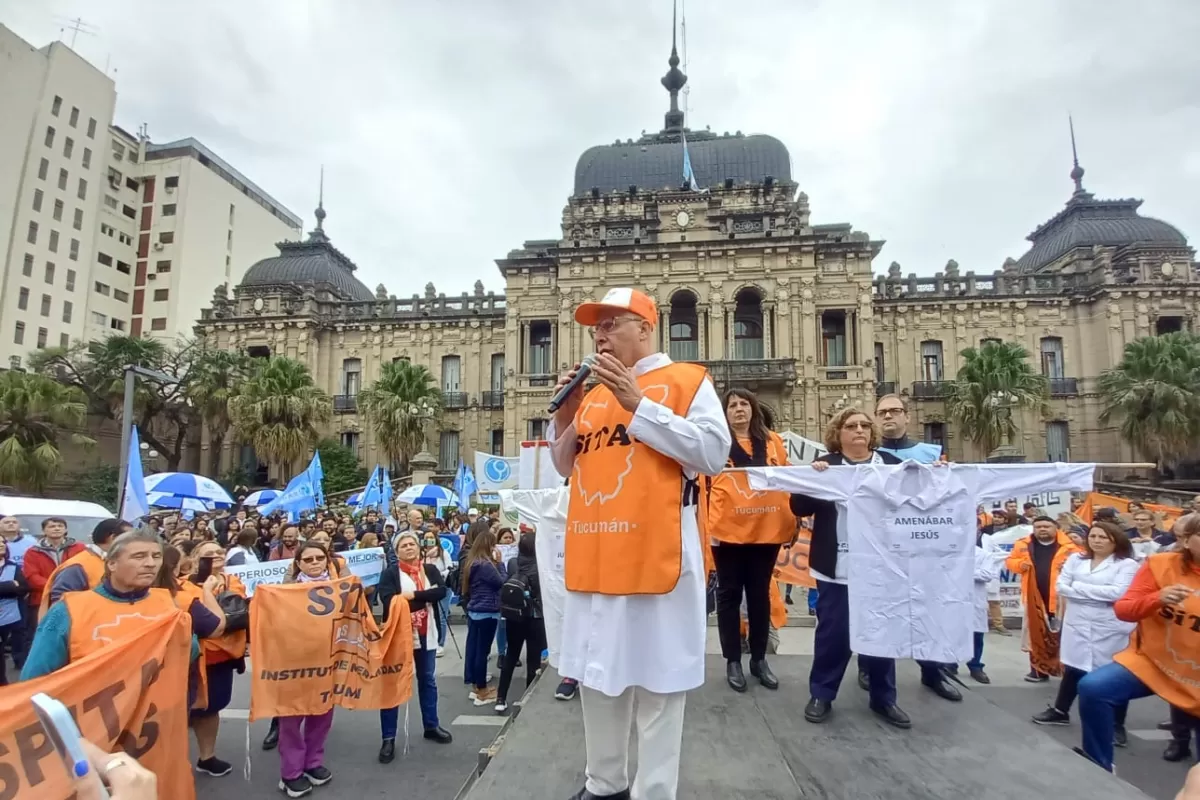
x,y
314,263
656,162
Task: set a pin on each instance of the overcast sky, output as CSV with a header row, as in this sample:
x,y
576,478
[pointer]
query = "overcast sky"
x,y
449,130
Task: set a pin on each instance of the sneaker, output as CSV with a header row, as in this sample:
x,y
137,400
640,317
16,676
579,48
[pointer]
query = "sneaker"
x,y
441,651
318,776
1120,737
501,706
566,690
1052,716
1036,677
485,697
214,766
296,787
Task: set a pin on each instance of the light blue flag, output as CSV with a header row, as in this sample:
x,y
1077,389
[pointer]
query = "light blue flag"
x,y
134,505
385,491
372,495
299,495
689,176
465,485
316,476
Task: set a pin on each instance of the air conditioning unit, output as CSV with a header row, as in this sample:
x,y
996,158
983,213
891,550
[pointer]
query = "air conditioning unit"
x,y
169,189
151,276
158,245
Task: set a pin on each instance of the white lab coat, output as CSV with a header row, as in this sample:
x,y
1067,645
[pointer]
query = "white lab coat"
x,y
911,544
1091,632
546,511
656,642
986,570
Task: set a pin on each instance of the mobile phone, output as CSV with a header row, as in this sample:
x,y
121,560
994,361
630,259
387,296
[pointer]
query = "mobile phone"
x,y
204,570
62,732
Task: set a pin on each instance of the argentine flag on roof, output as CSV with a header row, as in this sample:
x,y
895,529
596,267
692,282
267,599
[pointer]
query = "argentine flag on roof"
x,y
689,176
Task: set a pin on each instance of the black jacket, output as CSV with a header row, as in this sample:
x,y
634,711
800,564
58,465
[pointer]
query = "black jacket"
x,y
527,568
823,554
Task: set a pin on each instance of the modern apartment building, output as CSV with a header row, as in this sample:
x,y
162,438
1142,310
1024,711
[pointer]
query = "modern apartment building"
x,y
103,232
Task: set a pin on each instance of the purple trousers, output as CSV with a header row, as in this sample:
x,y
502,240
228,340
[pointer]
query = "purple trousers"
x,y
302,743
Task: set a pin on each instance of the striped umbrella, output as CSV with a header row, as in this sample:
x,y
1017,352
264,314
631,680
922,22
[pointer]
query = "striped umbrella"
x,y
261,497
427,494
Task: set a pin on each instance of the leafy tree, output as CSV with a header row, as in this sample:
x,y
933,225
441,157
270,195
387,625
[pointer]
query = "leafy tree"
x,y
212,381
398,406
278,411
341,467
98,485
36,413
1155,393
995,381
161,411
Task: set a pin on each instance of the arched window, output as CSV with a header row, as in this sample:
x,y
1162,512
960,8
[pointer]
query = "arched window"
x,y
683,338
748,326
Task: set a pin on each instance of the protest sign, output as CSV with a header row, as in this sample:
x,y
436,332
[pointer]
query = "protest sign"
x,y
366,565
316,645
129,695
493,473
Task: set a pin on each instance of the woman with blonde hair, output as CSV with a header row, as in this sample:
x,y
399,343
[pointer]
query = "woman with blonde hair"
x,y
851,437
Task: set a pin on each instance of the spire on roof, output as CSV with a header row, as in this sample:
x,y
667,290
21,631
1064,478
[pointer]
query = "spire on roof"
x,y
1077,171
318,234
673,81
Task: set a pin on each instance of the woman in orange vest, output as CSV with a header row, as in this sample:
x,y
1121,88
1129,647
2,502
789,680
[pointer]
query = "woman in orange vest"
x,y
223,655
746,529
1163,657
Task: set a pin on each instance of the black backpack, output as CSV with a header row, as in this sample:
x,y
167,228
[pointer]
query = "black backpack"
x,y
516,601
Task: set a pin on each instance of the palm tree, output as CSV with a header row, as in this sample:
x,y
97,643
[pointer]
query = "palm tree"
x,y
278,411
1155,392
214,379
398,405
994,381
35,413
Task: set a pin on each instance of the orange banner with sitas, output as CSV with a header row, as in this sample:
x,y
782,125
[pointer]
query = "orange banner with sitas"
x,y
1166,515
317,645
792,564
128,696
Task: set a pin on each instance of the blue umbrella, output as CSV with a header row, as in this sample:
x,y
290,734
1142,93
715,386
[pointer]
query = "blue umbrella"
x,y
162,500
185,484
261,497
427,494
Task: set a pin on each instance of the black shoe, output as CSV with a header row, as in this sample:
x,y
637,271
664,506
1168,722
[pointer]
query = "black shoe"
x,y
439,735
214,766
1036,677
584,794
864,681
1177,751
296,787
387,751
271,740
762,671
817,711
318,776
892,715
979,676
944,690
788,599
566,690
1120,738
1052,716
734,676
812,612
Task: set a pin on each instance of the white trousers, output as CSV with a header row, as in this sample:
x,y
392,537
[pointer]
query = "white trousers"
x,y
606,725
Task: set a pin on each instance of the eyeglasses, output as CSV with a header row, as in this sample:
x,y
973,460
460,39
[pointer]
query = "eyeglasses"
x,y
607,326
856,426
890,412
312,559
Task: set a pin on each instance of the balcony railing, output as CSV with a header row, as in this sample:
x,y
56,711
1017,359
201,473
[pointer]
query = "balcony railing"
x,y
345,403
929,390
885,387
1064,387
541,380
493,399
453,401
758,370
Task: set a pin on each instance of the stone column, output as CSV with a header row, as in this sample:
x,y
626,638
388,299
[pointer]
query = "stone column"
x,y
730,350
702,333
665,328
768,316
423,465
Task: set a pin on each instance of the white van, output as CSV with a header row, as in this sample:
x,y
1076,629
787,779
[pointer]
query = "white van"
x,y
81,517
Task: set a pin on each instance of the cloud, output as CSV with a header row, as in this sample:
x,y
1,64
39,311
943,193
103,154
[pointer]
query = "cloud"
x,y
449,132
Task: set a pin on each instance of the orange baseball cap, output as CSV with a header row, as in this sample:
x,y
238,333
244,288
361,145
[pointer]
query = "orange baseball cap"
x,y
631,300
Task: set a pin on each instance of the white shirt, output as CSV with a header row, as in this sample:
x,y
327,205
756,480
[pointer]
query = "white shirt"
x,y
546,511
1091,632
912,544
657,642
987,569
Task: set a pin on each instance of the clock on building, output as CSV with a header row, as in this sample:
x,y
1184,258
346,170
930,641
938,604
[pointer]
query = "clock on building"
x,y
683,218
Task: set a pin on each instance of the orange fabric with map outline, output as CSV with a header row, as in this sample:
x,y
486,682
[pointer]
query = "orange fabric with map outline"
x,y
740,515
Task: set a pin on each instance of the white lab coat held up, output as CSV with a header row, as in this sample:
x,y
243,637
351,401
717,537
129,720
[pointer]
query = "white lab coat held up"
x,y
1091,632
986,571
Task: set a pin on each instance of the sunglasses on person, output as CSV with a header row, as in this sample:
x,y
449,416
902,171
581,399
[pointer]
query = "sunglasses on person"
x,y
312,559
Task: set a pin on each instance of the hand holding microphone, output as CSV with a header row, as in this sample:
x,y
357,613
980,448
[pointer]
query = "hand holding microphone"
x,y
566,392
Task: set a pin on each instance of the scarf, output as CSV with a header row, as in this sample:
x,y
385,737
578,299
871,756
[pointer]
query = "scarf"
x,y
302,577
420,619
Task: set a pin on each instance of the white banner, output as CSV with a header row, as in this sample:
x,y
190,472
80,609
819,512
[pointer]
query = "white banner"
x,y
1050,504
493,473
367,564
537,467
801,450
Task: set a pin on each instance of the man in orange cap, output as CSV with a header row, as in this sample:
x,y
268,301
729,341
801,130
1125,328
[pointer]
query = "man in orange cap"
x,y
634,615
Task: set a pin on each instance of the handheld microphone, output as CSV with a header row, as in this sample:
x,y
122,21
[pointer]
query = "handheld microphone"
x,y
581,375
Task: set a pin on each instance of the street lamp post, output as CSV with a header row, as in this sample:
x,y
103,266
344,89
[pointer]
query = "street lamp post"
x,y
132,371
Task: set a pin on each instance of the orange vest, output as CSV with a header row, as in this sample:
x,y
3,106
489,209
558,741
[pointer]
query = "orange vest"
x,y
97,621
187,594
624,523
93,567
739,515
1164,651
1020,553
227,646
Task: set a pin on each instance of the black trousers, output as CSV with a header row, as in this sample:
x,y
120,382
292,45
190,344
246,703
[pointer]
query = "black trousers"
x,y
530,632
744,569
1068,689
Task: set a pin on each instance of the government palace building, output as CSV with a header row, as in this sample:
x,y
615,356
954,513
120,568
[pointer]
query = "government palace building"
x,y
749,284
